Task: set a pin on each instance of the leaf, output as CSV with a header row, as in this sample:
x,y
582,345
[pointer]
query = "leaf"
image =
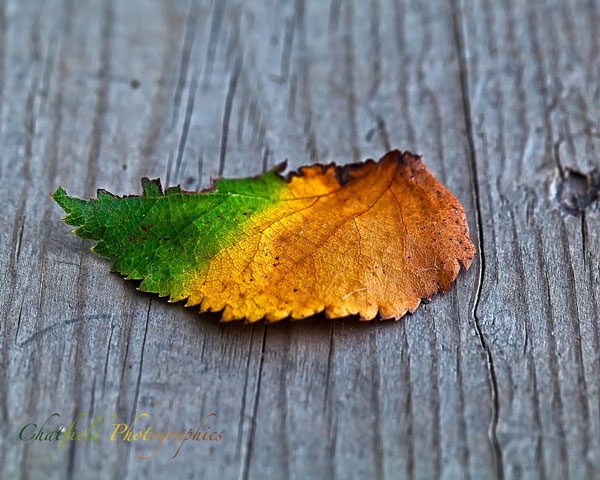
x,y
360,239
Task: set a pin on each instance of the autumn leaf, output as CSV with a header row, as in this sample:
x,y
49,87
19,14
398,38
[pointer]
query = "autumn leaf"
x,y
358,239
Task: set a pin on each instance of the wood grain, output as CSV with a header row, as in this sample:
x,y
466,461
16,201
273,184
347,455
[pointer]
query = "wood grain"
x,y
499,378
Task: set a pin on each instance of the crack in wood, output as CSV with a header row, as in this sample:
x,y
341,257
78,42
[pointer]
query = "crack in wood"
x,y
463,75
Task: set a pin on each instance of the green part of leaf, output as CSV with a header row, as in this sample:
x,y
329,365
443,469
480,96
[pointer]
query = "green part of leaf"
x,y
162,237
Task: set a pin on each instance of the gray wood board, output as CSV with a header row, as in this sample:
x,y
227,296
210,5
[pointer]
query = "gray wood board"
x,y
499,378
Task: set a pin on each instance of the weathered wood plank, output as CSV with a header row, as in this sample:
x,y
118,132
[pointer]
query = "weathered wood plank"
x,y
498,378
528,75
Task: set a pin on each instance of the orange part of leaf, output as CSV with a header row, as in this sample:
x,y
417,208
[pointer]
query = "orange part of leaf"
x,y
363,239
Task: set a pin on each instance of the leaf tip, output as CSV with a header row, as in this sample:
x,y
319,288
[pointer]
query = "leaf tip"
x,y
63,200
59,194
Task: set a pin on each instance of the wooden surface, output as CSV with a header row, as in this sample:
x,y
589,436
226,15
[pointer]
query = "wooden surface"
x,y
499,378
